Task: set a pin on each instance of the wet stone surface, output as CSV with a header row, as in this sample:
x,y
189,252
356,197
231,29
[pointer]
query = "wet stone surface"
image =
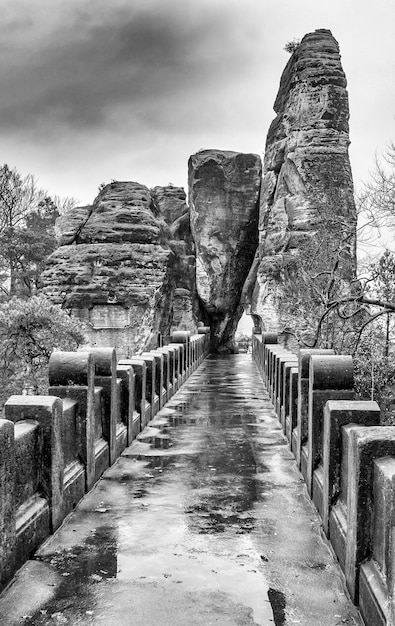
x,y
203,520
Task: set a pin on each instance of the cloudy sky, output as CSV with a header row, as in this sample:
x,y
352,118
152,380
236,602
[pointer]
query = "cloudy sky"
x,y
128,89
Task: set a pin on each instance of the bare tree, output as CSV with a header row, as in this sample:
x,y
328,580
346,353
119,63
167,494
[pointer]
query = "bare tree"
x,y
27,217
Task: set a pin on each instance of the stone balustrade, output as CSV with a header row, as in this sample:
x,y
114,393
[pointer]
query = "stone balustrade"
x,y
54,448
347,459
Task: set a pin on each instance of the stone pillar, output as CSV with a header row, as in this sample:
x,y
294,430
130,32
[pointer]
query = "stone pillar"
x,y
159,376
283,361
194,355
168,371
151,394
256,340
47,411
268,339
175,356
275,352
205,330
291,418
106,378
339,413
377,575
180,357
7,502
331,378
140,388
127,404
362,445
182,337
303,400
72,375
165,355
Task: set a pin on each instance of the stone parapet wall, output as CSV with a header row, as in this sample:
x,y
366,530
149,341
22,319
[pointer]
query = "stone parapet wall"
x,y
54,448
347,460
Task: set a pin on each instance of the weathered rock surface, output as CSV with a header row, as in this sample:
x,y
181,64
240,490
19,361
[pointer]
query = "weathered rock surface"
x,y
126,266
120,213
307,182
172,211
223,196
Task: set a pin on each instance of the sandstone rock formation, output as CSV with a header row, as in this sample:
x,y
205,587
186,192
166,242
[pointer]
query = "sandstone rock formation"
x,y
173,212
126,266
307,203
223,195
139,262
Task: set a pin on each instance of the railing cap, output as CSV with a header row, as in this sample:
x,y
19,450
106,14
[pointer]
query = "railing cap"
x,y
331,371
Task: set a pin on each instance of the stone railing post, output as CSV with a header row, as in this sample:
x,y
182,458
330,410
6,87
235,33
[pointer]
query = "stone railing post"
x,y
182,338
351,519
47,412
377,574
168,371
106,378
339,413
303,399
291,402
151,395
257,352
274,352
285,360
194,352
140,388
256,344
72,375
331,378
7,502
164,354
268,341
176,352
129,415
159,376
204,330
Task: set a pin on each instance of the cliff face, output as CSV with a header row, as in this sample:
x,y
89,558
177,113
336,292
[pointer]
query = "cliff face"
x,y
307,208
223,196
126,265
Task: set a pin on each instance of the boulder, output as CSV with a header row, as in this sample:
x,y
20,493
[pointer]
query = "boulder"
x,y
223,196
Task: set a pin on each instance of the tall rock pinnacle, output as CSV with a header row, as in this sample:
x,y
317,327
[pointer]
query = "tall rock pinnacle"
x,y
307,192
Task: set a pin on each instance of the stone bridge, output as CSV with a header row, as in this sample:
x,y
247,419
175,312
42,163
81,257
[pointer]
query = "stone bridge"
x,y
186,484
178,487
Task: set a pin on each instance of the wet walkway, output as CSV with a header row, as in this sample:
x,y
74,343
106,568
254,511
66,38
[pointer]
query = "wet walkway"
x,y
205,520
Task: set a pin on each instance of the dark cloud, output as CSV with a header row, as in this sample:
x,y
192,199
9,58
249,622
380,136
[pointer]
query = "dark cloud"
x,y
76,69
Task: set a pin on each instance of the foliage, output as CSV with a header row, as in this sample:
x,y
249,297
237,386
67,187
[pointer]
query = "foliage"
x,y
291,46
29,331
319,271
27,219
374,373
377,198
243,341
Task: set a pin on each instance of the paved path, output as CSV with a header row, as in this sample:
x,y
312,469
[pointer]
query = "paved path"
x,y
213,526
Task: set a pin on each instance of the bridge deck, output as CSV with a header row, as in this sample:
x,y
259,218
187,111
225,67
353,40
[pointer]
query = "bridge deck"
x,y
204,520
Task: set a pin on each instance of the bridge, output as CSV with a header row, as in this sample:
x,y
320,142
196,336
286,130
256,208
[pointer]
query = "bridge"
x,y
181,487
